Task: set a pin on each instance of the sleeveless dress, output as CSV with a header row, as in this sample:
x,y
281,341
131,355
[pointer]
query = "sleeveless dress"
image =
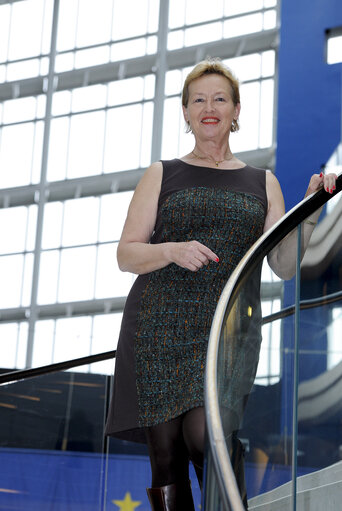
x,y
161,353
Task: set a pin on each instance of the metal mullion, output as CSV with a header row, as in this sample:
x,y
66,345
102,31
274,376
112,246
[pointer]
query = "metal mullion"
x,y
42,187
105,130
76,27
107,43
25,59
60,248
96,244
159,94
18,123
8,41
24,253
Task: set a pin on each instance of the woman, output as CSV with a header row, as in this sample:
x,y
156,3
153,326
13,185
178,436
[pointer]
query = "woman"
x,y
188,225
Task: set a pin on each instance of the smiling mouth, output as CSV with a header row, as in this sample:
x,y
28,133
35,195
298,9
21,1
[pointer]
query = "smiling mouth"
x,y
210,120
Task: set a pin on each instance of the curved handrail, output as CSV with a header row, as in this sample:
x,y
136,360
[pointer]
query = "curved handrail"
x,y
220,456
23,374
303,305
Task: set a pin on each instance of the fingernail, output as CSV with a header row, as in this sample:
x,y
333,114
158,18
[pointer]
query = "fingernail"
x,y
331,190
217,259
321,174
334,187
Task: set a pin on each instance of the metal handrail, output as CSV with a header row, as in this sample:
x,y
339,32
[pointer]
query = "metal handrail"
x,y
23,374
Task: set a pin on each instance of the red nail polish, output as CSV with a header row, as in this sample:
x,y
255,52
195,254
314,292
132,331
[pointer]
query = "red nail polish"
x,y
321,174
334,187
217,259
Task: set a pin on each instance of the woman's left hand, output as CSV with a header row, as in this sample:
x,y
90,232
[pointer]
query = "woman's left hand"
x,y
319,180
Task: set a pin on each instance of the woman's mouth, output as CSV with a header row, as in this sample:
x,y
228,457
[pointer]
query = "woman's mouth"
x,y
210,120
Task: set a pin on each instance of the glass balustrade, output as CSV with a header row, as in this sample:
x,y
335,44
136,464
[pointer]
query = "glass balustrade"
x,y
275,421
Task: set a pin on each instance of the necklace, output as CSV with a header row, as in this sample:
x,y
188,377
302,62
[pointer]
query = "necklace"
x,y
211,158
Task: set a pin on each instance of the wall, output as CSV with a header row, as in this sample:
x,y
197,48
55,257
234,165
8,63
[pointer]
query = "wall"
x,y
309,97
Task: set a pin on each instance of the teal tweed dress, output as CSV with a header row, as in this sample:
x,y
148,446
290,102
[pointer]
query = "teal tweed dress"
x,y
161,353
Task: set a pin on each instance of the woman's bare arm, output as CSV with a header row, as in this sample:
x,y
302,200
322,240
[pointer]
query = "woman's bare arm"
x,y
135,253
282,259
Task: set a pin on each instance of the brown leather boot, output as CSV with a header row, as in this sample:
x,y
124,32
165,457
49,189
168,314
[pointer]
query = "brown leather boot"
x,y
173,497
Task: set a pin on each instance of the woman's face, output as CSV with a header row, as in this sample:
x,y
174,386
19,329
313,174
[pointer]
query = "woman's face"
x,y
210,109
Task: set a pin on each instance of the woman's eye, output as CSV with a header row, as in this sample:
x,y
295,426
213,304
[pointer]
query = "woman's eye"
x,y
220,99
198,100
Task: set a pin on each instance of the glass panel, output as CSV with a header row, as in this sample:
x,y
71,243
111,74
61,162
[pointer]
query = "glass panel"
x,y
48,277
25,38
138,22
5,13
255,377
203,34
247,137
177,13
22,70
106,328
22,109
85,144
320,370
334,50
58,148
233,8
244,25
43,343
77,274
80,221
11,275
125,91
88,98
100,16
200,10
72,338
67,23
128,49
13,220
119,123
114,209
16,165
52,448
92,57
13,340
52,225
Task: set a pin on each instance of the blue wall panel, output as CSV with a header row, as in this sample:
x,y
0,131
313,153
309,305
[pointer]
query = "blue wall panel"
x,y
309,97
308,132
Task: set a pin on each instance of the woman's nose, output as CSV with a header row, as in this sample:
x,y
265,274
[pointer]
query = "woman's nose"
x,y
210,105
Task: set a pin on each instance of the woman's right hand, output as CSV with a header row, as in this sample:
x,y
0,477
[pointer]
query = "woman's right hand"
x,y
190,254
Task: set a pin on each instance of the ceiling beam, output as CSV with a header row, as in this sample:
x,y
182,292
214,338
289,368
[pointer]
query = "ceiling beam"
x,y
140,66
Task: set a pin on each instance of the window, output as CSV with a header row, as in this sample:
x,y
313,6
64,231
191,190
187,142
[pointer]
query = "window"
x,y
334,45
68,173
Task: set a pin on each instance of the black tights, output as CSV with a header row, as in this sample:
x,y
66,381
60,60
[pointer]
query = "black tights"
x,y
172,444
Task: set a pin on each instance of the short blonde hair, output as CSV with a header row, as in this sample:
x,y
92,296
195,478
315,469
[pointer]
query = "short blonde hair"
x,y
212,66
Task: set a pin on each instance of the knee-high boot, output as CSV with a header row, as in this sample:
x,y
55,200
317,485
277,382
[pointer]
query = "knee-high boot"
x,y
173,497
237,460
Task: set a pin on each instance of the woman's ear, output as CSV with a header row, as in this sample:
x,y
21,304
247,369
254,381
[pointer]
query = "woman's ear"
x,y
237,111
185,113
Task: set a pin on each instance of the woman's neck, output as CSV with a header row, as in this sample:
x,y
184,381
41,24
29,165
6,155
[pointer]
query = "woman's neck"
x,y
211,152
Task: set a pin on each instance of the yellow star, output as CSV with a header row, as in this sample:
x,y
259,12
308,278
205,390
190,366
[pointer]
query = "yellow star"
x,y
127,504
